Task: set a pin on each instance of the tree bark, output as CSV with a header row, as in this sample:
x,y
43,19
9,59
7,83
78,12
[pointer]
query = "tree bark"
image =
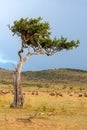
x,y
18,94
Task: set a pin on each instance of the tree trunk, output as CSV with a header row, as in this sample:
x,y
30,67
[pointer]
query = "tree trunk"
x,y
18,95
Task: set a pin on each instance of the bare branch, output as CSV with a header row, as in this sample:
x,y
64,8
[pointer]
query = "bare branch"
x,y
39,45
21,51
15,67
49,53
28,54
37,52
24,38
26,57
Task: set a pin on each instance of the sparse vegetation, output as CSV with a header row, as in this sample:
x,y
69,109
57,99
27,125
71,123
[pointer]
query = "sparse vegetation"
x,y
57,76
48,105
43,111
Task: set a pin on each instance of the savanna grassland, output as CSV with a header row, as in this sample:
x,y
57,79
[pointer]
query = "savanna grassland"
x,y
54,100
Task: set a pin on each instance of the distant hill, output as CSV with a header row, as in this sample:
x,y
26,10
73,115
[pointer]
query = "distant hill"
x,y
57,75
47,76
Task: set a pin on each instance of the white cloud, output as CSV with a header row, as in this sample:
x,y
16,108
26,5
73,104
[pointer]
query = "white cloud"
x,y
6,61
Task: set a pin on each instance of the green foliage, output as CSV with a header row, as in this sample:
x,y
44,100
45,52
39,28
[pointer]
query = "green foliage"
x,y
36,34
56,76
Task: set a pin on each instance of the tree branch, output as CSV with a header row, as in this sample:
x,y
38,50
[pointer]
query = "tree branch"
x,y
41,52
15,67
21,51
26,57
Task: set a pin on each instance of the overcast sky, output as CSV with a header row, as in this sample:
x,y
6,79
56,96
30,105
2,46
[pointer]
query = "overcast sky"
x,y
67,18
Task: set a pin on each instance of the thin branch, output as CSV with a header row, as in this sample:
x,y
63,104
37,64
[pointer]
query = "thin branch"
x,y
39,45
15,67
21,51
23,37
37,52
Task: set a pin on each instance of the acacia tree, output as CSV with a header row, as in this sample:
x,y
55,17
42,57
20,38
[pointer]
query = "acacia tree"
x,y
35,36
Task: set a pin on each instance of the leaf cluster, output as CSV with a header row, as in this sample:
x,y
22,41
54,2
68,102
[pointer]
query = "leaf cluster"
x,y
36,33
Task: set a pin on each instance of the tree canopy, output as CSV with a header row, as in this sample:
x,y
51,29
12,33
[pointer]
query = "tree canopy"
x,y
36,34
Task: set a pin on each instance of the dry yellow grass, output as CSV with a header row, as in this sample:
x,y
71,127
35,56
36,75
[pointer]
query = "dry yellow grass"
x,y
44,112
